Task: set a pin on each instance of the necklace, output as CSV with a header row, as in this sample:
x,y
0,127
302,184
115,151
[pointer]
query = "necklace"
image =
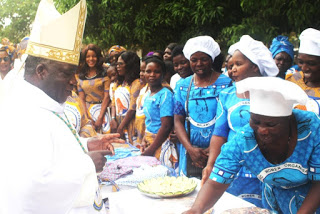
x,y
195,82
89,78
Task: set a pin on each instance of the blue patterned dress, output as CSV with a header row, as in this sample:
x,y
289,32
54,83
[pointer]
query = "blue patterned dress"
x,y
157,106
233,113
202,111
285,185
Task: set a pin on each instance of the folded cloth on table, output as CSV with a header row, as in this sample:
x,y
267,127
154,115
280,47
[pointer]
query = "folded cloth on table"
x,y
123,153
118,168
137,161
113,171
143,173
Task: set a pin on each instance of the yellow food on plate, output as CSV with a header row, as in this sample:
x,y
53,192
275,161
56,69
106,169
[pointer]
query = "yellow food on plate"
x,y
167,186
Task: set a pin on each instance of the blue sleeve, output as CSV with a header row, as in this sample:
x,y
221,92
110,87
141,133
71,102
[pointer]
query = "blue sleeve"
x,y
228,163
221,127
166,104
178,101
314,162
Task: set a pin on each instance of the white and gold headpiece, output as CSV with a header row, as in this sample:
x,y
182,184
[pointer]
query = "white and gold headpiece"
x,y
58,37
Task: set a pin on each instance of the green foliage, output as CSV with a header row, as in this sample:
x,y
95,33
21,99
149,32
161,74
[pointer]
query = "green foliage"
x,y
152,24
21,14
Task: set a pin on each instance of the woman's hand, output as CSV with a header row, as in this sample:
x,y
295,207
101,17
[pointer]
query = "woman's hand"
x,y
173,137
98,123
199,157
191,211
206,173
144,149
113,126
120,131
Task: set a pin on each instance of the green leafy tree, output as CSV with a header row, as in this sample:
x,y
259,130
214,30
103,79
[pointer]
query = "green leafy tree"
x,y
21,14
151,25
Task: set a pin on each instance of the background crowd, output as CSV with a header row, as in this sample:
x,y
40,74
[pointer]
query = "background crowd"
x,y
181,105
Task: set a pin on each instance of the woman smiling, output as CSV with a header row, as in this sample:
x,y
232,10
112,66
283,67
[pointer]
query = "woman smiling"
x,y
93,88
5,61
309,62
250,58
196,103
280,146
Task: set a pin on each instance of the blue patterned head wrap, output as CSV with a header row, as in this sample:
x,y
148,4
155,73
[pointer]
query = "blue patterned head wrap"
x,y
280,44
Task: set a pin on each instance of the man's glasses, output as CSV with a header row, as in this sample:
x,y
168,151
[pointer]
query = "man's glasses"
x,y
6,59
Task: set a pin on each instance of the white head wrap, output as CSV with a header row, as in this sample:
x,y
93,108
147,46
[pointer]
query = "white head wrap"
x,y
205,44
272,96
310,42
257,53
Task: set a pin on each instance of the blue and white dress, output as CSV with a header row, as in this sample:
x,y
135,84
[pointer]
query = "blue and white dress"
x,y
233,113
157,106
285,185
202,112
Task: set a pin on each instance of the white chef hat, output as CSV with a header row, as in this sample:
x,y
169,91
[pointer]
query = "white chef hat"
x,y
257,53
205,44
272,96
310,42
58,37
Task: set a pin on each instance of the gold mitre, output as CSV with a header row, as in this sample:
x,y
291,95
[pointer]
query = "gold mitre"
x,y
55,36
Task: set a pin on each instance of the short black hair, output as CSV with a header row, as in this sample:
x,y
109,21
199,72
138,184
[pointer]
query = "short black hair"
x,y
31,64
172,45
177,51
159,61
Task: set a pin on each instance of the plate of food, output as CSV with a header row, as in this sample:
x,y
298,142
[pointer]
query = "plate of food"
x,y
167,187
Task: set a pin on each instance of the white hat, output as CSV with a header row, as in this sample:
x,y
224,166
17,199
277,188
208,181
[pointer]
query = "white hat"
x,y
205,44
272,96
310,42
55,36
257,53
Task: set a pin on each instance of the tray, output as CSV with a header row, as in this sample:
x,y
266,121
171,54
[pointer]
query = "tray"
x,y
167,187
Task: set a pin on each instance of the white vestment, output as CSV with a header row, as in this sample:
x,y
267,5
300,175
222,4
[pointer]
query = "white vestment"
x,y
43,168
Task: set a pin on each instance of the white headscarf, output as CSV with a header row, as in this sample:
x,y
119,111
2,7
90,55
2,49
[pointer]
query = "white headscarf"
x,y
272,96
257,53
310,42
205,44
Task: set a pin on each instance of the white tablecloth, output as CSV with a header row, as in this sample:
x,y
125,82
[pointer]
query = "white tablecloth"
x,y
132,201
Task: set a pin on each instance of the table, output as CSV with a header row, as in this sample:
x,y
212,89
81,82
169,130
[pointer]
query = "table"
x,y
132,201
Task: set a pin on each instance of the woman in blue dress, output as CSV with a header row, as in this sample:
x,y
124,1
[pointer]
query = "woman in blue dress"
x,y
158,109
196,99
279,145
233,111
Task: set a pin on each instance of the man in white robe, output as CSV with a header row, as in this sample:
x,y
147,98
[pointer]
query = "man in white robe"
x,y
46,167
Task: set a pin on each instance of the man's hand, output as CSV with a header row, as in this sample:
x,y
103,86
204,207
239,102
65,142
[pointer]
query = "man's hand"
x,y
103,142
98,158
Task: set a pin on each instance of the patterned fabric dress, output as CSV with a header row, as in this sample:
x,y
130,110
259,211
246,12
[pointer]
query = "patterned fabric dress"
x,y
125,98
285,185
140,125
94,90
298,78
233,113
77,117
202,111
